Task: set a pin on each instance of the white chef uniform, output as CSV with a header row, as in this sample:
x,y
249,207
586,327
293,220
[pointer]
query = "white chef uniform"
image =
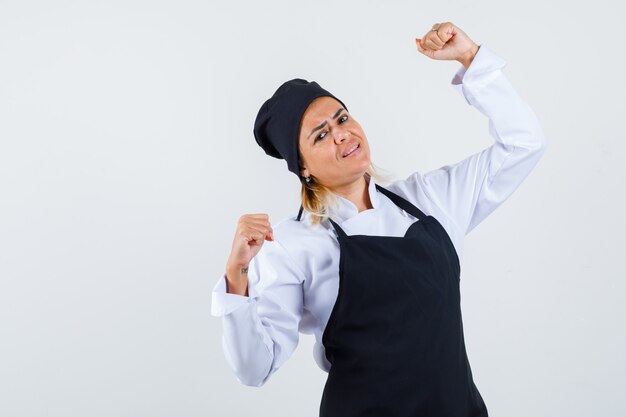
x,y
293,280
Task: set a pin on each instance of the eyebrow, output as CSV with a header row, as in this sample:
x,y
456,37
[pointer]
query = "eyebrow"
x,y
324,123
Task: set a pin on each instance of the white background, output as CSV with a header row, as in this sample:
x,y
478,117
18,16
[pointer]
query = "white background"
x,y
127,156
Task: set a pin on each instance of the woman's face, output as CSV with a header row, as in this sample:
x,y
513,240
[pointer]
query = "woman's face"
x,y
327,134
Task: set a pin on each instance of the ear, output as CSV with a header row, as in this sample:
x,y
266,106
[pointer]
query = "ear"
x,y
304,172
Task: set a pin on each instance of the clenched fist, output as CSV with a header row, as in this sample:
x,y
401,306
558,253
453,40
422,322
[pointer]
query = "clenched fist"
x,y
447,42
252,231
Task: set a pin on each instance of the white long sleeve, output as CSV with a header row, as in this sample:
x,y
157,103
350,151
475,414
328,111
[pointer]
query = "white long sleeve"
x,y
471,189
260,332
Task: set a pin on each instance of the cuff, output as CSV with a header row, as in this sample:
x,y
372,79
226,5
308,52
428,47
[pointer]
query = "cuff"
x,y
485,67
223,302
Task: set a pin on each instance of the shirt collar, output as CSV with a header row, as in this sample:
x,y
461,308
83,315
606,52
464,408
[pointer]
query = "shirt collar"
x,y
345,209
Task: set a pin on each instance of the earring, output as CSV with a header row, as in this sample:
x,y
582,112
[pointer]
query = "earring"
x,y
307,179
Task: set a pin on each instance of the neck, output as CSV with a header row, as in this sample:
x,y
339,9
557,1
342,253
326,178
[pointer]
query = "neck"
x,y
357,193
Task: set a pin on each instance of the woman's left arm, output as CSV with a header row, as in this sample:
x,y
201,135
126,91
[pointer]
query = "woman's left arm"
x,y
471,189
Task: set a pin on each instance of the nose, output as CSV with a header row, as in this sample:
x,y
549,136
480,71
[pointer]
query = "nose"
x,y
340,134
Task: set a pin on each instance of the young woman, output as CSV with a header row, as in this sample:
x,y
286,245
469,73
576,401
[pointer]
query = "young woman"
x,y
373,272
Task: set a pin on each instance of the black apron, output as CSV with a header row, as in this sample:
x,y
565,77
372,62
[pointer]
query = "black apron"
x,y
395,335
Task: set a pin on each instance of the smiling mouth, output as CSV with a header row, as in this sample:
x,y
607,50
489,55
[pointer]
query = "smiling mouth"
x,y
357,147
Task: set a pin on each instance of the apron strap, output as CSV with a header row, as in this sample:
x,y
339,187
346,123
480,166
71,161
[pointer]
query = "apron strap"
x,y
338,229
402,203
299,213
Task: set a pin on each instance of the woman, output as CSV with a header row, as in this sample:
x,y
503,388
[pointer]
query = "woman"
x,y
373,272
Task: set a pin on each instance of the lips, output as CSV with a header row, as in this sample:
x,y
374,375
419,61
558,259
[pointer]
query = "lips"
x,y
350,148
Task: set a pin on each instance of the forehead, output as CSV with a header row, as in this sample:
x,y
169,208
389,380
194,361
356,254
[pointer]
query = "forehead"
x,y
320,109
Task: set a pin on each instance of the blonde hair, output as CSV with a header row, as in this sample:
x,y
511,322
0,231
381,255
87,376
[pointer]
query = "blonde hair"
x,y
316,196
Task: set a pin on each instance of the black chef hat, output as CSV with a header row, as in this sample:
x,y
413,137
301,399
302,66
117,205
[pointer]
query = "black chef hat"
x,y
276,128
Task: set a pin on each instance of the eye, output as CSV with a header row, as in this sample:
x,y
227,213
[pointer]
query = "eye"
x,y
323,134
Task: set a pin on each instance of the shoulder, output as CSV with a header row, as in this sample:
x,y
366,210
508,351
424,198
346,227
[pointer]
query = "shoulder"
x,y
414,188
292,232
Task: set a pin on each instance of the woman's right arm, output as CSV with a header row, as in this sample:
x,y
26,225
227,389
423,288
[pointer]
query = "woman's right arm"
x,y
260,309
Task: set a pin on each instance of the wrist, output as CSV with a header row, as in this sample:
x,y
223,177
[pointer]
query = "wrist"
x,y
468,57
237,279
236,271
237,267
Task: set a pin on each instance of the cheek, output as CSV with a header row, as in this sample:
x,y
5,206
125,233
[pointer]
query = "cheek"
x,y
324,158
319,157
331,155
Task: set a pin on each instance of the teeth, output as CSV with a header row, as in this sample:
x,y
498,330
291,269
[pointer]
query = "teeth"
x,y
351,150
